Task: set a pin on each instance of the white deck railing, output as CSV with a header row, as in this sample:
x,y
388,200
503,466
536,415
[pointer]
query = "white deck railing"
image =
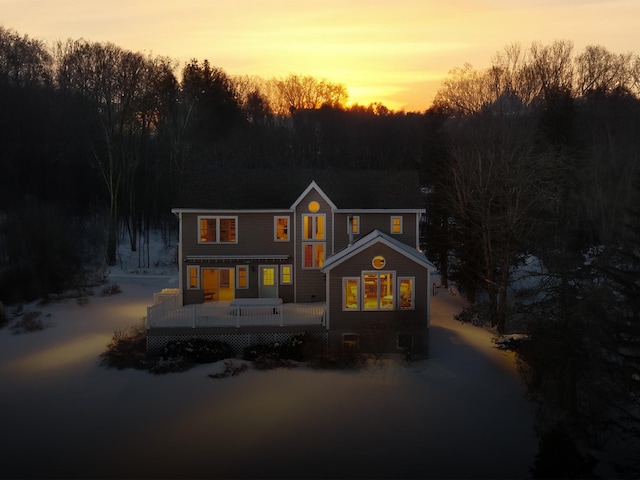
x,y
222,314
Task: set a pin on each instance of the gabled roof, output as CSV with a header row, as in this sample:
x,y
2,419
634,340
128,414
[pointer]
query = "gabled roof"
x,y
372,238
243,189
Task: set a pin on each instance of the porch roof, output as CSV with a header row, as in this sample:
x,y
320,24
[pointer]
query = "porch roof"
x,y
234,258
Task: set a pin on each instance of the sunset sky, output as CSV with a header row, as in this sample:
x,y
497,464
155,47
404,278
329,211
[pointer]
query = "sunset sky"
x,y
393,51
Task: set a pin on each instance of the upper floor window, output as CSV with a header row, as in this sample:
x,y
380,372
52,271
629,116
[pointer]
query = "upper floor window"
x,y
396,225
281,229
313,226
218,229
353,225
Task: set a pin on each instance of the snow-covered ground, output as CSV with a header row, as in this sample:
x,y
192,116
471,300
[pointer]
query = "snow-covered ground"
x,y
459,414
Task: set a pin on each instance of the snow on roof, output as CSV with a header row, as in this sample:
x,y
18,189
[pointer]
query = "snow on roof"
x,y
377,236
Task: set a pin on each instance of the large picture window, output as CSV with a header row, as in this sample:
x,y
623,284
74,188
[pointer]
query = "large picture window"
x,y
218,229
378,290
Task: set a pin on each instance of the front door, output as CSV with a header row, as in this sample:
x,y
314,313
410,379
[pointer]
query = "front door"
x,y
218,284
268,281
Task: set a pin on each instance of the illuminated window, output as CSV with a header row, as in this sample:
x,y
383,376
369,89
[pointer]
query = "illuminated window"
x,y
312,255
281,227
242,276
313,227
396,225
378,290
286,274
406,288
268,277
351,293
350,341
353,224
378,262
193,277
217,229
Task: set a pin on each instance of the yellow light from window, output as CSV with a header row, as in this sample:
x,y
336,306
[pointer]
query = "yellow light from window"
x,y
314,206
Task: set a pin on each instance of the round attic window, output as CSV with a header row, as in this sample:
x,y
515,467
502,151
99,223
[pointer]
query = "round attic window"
x,y
314,206
378,262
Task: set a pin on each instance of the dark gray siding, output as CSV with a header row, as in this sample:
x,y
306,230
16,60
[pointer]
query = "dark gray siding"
x,y
375,221
400,321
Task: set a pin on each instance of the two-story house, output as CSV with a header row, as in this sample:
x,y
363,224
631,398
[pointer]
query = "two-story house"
x,y
266,254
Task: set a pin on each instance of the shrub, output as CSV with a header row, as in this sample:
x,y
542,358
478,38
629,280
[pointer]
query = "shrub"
x,y
230,370
30,322
127,349
198,350
110,289
276,352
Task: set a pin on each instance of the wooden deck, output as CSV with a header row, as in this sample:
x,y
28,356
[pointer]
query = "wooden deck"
x,y
235,314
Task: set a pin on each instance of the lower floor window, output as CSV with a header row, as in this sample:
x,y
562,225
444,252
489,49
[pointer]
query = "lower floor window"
x,y
405,341
378,290
350,341
381,290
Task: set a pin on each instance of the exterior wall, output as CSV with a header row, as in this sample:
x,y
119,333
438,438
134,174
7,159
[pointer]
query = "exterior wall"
x,y
310,283
255,236
361,322
375,221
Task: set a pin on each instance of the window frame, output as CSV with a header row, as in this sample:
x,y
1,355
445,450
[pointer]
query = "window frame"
x,y
345,308
394,295
218,219
410,336
238,277
275,228
314,256
283,275
400,224
197,271
345,344
351,221
314,227
413,292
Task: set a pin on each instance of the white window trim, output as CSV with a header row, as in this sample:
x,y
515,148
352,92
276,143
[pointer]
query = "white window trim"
x,y
275,228
282,282
401,225
394,303
217,218
349,224
413,293
197,287
324,250
314,226
344,295
238,268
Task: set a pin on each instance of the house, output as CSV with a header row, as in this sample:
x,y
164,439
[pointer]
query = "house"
x,y
264,255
